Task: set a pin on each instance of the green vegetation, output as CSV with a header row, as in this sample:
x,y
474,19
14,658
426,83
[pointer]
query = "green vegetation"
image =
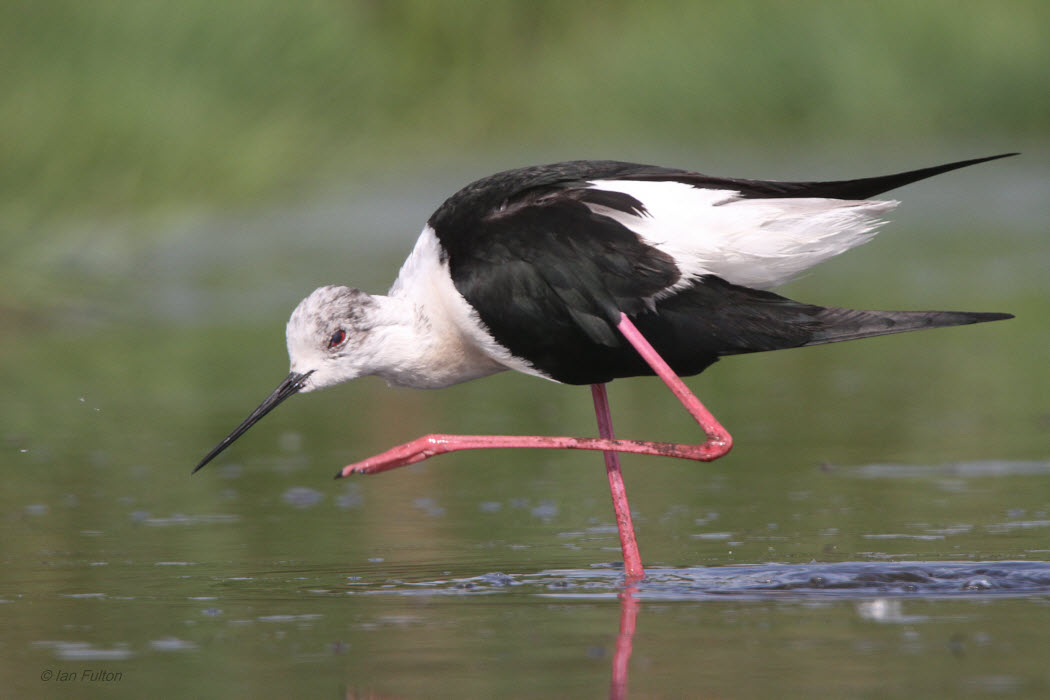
x,y
110,108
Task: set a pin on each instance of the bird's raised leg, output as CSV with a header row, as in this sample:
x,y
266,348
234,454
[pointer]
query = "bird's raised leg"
x,y
632,560
717,444
719,441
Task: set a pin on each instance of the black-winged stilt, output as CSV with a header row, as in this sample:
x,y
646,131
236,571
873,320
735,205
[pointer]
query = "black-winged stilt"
x,y
585,271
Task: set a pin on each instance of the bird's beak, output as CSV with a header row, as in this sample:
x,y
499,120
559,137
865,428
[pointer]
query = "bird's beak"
x,y
291,385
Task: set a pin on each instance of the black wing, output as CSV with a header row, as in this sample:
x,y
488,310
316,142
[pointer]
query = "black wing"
x,y
549,277
860,188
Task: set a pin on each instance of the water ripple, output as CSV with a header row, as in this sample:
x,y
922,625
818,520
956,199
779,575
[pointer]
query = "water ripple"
x,y
851,579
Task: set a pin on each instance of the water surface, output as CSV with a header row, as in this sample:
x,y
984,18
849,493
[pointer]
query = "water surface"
x,y
881,529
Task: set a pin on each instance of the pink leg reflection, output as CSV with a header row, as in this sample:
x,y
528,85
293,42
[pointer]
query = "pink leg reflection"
x,y
624,643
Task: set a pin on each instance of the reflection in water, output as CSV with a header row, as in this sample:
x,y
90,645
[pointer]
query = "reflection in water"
x,y
624,642
879,589
888,610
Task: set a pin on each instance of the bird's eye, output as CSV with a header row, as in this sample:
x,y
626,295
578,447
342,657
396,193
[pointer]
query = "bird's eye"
x,y
337,338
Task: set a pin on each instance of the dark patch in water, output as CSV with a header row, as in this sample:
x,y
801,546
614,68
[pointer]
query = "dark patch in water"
x,y
856,580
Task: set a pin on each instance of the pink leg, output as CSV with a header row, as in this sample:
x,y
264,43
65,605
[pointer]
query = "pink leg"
x,y
718,441
632,560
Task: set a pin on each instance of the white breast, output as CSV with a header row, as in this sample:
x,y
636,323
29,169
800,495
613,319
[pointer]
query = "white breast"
x,y
461,348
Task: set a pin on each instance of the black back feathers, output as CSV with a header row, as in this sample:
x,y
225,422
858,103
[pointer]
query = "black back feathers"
x,y
549,277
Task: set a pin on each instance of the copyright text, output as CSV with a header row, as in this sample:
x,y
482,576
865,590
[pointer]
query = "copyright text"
x,y
84,675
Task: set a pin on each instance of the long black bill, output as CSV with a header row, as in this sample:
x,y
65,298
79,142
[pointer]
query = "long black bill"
x,y
291,385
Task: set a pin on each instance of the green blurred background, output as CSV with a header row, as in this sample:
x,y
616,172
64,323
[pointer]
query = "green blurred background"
x,y
174,177
126,116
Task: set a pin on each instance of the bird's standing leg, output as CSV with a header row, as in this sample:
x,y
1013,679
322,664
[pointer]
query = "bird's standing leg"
x,y
632,560
718,441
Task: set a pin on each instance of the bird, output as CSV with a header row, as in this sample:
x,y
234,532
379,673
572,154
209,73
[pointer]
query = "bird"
x,y
586,271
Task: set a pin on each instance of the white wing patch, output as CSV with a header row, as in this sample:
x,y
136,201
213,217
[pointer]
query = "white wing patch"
x,y
757,243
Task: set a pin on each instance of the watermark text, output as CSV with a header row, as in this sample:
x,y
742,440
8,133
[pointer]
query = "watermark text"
x,y
84,675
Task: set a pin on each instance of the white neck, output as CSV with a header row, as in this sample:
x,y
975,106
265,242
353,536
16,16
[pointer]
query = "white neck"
x,y
422,350
449,343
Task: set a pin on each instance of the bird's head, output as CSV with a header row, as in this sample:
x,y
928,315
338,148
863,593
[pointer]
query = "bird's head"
x,y
329,341
328,334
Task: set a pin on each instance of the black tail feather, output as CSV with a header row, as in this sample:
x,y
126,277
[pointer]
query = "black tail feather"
x,y
715,319
863,188
833,325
